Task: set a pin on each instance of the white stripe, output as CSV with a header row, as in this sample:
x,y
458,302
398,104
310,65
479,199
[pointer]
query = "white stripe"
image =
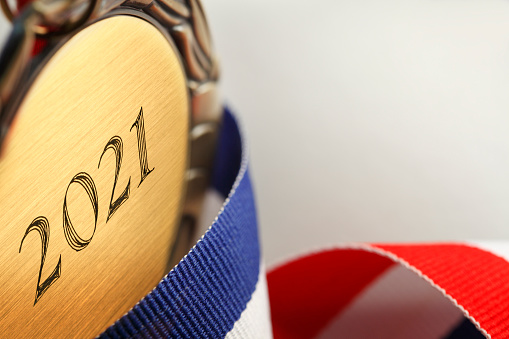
x,y
254,322
398,304
499,248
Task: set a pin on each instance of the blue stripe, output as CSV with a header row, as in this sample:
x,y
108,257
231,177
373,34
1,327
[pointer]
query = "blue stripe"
x,y
228,156
465,330
205,294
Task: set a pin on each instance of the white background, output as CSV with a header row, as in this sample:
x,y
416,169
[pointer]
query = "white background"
x,y
370,120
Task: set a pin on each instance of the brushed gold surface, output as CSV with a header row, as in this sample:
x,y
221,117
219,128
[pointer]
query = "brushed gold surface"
x,y
91,90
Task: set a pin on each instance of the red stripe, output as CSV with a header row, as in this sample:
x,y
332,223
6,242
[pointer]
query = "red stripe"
x,y
39,46
306,294
476,279
20,4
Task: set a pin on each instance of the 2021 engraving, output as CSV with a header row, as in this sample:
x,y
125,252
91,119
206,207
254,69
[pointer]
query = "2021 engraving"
x,y
77,243
115,144
142,146
41,225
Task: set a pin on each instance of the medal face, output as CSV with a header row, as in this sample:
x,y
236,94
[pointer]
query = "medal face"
x,y
99,183
93,176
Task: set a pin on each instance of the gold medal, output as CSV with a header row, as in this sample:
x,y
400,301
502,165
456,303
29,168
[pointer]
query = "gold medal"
x,y
108,140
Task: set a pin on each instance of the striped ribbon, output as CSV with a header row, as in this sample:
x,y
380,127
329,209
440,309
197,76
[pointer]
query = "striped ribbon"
x,y
220,289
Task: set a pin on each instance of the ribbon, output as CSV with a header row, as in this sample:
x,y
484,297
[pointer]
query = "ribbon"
x,y
220,290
